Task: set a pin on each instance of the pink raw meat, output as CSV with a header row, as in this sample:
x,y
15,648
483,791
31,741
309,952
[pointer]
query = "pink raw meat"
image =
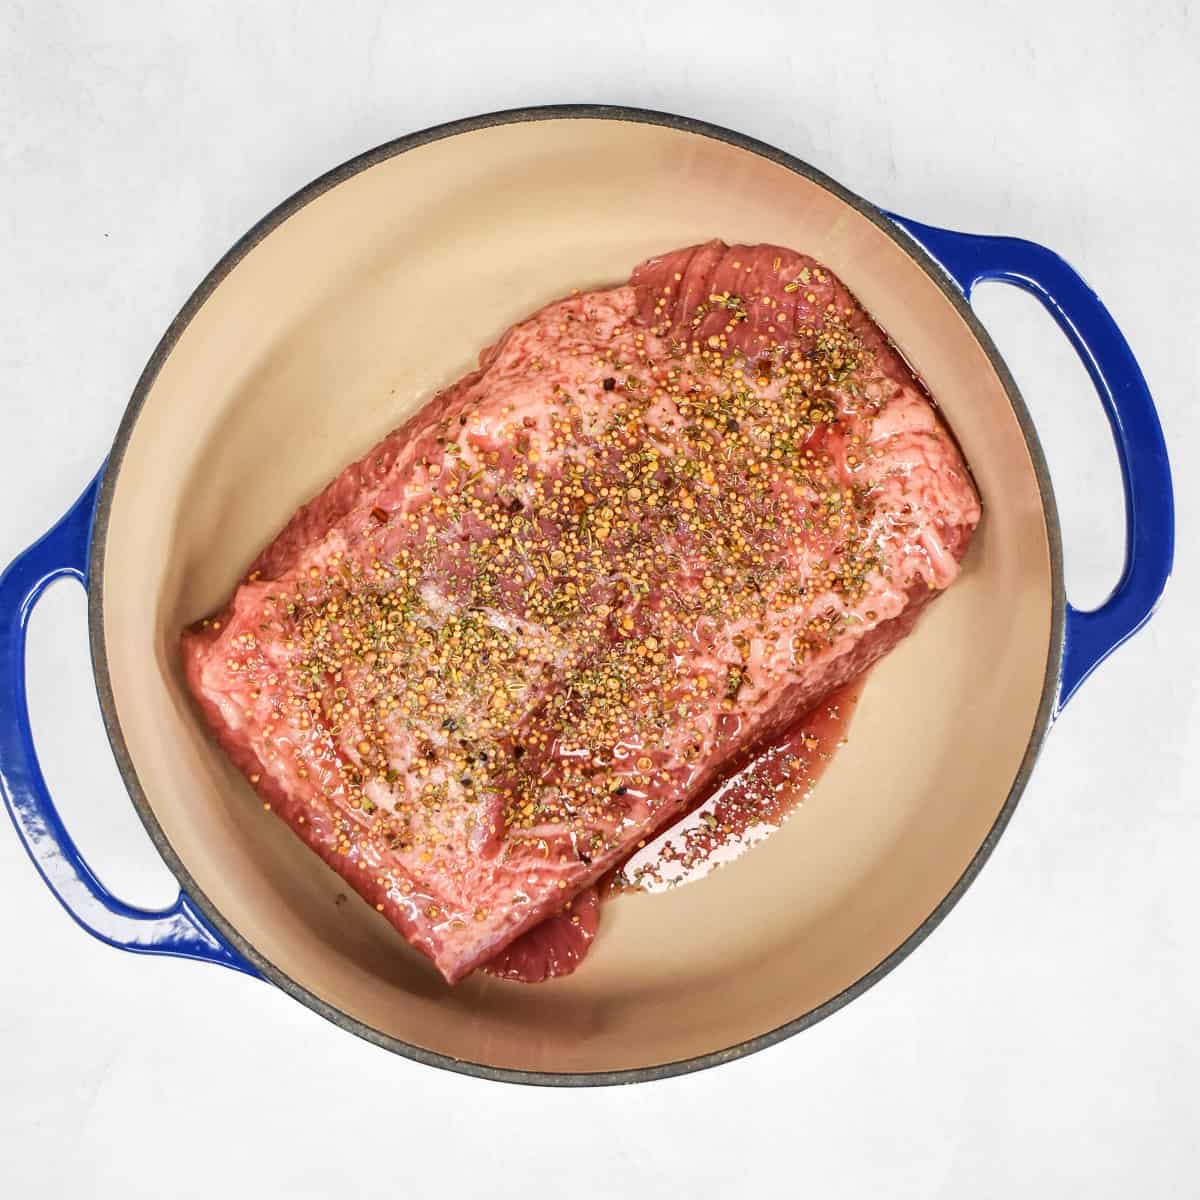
x,y
656,526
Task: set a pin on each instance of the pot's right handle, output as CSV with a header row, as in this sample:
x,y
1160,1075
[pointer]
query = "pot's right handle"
x,y
180,930
1149,504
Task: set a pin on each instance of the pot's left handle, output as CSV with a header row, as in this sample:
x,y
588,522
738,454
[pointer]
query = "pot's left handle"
x,y
179,930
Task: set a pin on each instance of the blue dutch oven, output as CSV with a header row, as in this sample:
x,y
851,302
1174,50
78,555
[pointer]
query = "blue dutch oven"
x,y
520,194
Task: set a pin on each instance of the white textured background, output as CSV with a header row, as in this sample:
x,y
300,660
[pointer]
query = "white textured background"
x,y
1044,1042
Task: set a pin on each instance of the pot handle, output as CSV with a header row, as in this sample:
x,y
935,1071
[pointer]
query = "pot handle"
x,y
179,930
1090,636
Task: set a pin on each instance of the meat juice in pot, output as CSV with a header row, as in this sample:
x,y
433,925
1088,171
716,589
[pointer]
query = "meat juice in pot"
x,y
751,803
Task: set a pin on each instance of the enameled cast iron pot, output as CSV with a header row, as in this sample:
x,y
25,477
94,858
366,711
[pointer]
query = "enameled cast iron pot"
x,y
320,331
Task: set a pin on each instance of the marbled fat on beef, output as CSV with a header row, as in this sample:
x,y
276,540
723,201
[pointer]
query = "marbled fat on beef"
x,y
657,525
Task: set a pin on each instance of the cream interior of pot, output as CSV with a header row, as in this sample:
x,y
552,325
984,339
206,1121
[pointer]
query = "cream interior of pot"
x,y
330,331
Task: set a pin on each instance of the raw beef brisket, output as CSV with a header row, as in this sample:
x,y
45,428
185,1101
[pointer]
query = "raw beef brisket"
x,y
657,525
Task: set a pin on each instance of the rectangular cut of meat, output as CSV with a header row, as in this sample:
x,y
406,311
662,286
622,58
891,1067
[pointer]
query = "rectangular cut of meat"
x,y
656,526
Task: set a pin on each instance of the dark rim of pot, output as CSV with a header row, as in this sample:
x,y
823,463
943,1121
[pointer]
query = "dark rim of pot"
x,y
99,545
